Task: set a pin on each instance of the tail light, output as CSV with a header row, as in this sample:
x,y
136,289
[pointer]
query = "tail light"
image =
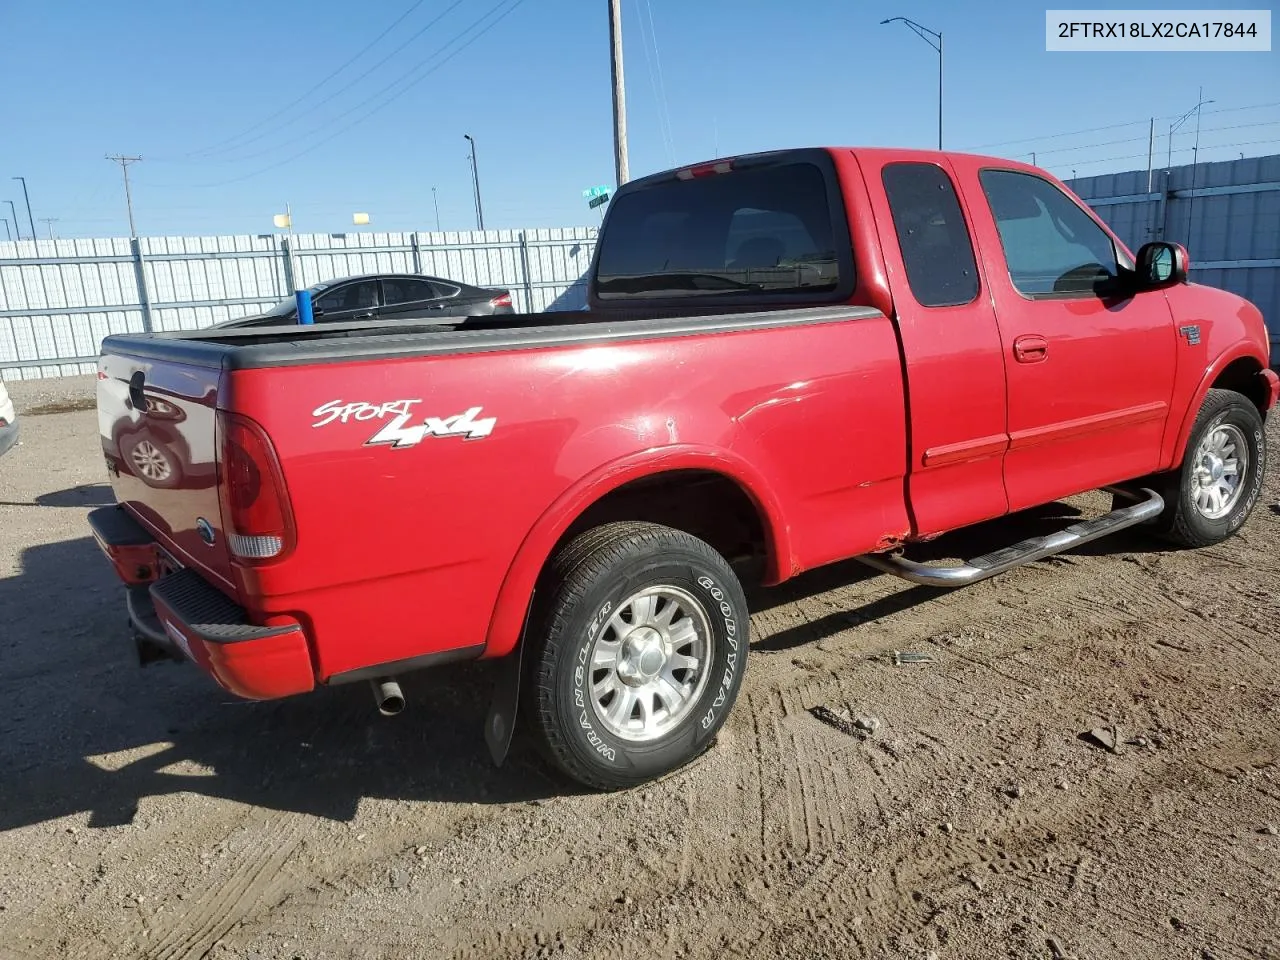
x,y
255,501
504,300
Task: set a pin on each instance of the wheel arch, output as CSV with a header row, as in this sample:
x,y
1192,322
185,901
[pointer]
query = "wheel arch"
x,y
1237,368
593,497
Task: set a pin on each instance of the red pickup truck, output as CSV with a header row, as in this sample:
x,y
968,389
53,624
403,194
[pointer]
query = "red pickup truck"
x,y
788,359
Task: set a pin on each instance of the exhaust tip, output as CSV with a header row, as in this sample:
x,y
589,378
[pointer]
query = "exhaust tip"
x,y
388,696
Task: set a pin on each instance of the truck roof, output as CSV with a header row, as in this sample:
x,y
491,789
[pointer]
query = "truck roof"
x,y
874,156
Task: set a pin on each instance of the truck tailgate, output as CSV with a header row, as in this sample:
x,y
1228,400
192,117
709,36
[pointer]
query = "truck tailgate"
x,y
158,424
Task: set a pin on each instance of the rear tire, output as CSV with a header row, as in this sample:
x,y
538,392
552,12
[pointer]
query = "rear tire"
x,y
1211,495
640,654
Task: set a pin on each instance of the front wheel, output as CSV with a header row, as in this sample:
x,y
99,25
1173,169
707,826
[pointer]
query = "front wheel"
x,y
640,653
1214,491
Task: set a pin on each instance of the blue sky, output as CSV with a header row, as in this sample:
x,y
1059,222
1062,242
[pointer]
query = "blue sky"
x,y
193,87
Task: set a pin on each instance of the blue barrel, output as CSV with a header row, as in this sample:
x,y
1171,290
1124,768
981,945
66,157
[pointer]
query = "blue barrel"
x,y
304,307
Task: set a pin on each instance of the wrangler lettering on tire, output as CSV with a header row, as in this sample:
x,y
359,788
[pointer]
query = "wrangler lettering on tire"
x,y
638,653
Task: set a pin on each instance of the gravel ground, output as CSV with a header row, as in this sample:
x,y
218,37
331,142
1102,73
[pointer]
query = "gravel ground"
x,y
855,805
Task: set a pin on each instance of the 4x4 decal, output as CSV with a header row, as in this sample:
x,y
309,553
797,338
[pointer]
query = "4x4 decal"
x,y
397,433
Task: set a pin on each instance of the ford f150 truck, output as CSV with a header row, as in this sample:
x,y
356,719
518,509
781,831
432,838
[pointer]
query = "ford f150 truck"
x,y
787,359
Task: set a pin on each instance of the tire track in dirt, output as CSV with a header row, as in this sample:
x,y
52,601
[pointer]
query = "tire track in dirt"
x,y
232,899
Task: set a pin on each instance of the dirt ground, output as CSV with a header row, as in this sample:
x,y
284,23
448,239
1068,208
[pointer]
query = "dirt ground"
x,y
854,805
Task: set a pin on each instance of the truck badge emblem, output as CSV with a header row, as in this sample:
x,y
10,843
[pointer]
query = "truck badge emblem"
x,y
1192,334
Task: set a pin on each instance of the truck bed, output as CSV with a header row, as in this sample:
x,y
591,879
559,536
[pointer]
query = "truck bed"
x,y
421,463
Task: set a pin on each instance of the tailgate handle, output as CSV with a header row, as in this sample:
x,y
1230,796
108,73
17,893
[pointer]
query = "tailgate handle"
x,y
136,396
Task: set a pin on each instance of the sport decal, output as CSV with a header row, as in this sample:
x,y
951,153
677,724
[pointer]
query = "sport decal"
x,y
398,433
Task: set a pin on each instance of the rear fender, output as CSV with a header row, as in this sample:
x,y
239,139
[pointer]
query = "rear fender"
x,y
513,599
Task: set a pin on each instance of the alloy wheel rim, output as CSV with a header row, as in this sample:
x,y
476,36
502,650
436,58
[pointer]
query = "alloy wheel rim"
x,y
650,663
1217,474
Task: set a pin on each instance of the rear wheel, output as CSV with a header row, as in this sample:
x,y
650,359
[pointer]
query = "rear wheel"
x,y
640,655
1211,495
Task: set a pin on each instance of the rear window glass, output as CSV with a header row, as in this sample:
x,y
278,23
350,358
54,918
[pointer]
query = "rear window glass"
x,y
763,229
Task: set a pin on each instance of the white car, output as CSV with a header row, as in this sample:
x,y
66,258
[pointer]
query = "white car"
x,y
8,421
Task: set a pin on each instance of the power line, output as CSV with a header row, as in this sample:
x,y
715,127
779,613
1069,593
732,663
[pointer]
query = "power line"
x,y
1111,143
326,125
405,89
1139,156
274,131
656,80
1112,126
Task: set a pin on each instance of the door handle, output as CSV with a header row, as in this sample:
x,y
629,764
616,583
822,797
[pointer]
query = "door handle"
x,y
1030,349
365,315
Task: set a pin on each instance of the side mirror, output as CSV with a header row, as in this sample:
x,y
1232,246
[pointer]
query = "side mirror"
x,y
1161,264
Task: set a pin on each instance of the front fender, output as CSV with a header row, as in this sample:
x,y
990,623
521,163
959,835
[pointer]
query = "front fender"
x,y
517,587
1177,443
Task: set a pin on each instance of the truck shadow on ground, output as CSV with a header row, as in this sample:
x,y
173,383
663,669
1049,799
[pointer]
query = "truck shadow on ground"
x,y
84,730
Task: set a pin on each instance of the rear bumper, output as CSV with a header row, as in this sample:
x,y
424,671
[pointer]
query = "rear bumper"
x,y
192,619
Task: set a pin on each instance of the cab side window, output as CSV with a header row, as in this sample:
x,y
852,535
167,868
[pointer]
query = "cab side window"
x,y
933,237
1052,247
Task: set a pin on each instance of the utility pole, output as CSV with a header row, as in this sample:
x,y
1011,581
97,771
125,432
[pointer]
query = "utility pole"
x,y
475,180
934,39
128,197
27,197
49,222
1151,146
619,94
436,201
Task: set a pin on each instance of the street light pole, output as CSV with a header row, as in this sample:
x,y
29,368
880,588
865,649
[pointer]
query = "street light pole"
x,y
1174,127
49,222
8,234
1195,160
435,200
934,39
26,196
475,180
16,229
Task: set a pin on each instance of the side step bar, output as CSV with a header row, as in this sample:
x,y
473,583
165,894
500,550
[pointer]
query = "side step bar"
x,y
1034,548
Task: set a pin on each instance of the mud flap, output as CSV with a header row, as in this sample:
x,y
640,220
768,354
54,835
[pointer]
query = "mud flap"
x,y
500,724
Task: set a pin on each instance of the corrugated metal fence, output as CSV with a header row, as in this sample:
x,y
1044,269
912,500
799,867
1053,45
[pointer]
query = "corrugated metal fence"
x,y
1226,214
59,298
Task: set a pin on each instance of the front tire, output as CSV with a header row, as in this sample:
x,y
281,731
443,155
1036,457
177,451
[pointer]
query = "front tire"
x,y
640,653
1212,494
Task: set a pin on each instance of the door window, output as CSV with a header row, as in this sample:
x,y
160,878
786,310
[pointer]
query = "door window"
x,y
396,290
932,235
362,295
1052,247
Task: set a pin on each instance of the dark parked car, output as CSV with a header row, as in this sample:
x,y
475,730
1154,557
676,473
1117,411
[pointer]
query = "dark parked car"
x,y
386,296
